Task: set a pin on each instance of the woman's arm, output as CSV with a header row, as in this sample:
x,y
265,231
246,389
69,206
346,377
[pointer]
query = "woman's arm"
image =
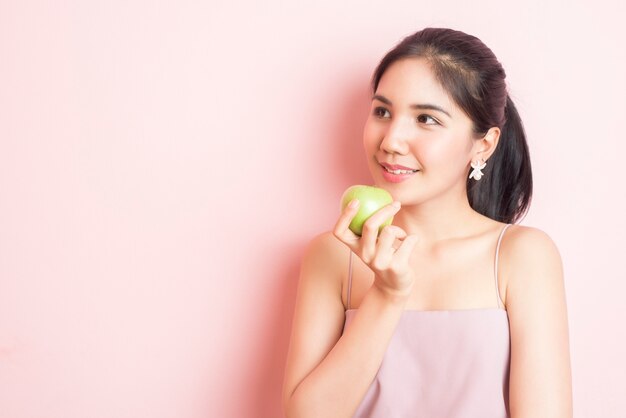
x,y
540,378
327,373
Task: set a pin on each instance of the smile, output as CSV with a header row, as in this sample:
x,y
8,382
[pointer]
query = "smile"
x,y
397,175
399,171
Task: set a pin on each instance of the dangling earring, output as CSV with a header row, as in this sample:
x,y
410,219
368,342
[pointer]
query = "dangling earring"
x,y
477,173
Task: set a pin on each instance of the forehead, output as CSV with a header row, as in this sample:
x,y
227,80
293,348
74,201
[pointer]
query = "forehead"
x,y
411,80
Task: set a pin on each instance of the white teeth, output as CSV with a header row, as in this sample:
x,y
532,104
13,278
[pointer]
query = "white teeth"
x,y
399,171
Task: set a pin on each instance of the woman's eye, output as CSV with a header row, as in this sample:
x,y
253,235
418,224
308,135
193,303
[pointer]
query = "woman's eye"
x,y
422,117
380,112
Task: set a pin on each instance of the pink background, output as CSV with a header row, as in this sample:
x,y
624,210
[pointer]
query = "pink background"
x,y
163,165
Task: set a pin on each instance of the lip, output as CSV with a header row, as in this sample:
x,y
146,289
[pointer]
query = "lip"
x,y
396,167
396,178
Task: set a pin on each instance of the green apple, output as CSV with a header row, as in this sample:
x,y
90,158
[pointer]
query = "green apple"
x,y
371,200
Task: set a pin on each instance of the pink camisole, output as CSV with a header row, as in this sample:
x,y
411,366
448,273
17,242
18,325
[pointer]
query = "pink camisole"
x,y
445,363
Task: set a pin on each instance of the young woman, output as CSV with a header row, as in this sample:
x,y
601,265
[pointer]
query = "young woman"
x,y
454,310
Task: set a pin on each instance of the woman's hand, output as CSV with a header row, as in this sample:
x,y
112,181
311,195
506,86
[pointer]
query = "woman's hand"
x,y
387,259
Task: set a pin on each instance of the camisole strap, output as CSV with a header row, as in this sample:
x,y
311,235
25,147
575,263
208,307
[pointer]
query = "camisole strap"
x,y
499,300
349,278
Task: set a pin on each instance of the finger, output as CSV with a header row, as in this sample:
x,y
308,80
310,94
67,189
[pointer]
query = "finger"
x,y
398,232
341,229
384,247
399,235
403,253
371,227
387,237
346,216
384,213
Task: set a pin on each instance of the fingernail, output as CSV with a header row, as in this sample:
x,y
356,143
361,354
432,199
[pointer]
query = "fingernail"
x,y
396,204
353,204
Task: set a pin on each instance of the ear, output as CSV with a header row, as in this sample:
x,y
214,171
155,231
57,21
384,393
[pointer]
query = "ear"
x,y
486,146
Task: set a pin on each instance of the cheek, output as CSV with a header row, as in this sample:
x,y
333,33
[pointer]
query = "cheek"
x,y
371,135
441,152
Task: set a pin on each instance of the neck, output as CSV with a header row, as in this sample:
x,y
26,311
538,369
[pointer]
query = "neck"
x,y
439,219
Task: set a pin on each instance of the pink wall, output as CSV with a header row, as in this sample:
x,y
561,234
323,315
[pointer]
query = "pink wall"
x,y
163,165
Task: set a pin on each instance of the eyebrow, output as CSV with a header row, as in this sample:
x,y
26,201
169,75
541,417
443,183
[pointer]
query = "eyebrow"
x,y
413,106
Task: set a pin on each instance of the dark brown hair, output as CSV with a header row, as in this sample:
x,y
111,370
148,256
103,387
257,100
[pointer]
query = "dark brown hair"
x,y
474,78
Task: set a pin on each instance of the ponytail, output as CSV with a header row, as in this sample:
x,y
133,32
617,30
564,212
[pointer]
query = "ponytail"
x,y
505,191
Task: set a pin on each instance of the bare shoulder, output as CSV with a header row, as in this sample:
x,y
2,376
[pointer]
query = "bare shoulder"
x,y
522,244
530,260
327,253
528,237
325,244
325,263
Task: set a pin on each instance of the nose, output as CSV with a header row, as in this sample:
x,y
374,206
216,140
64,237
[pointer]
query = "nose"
x,y
396,138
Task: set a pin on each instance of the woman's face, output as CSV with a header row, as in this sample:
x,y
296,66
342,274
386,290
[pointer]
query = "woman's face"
x,y
405,129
